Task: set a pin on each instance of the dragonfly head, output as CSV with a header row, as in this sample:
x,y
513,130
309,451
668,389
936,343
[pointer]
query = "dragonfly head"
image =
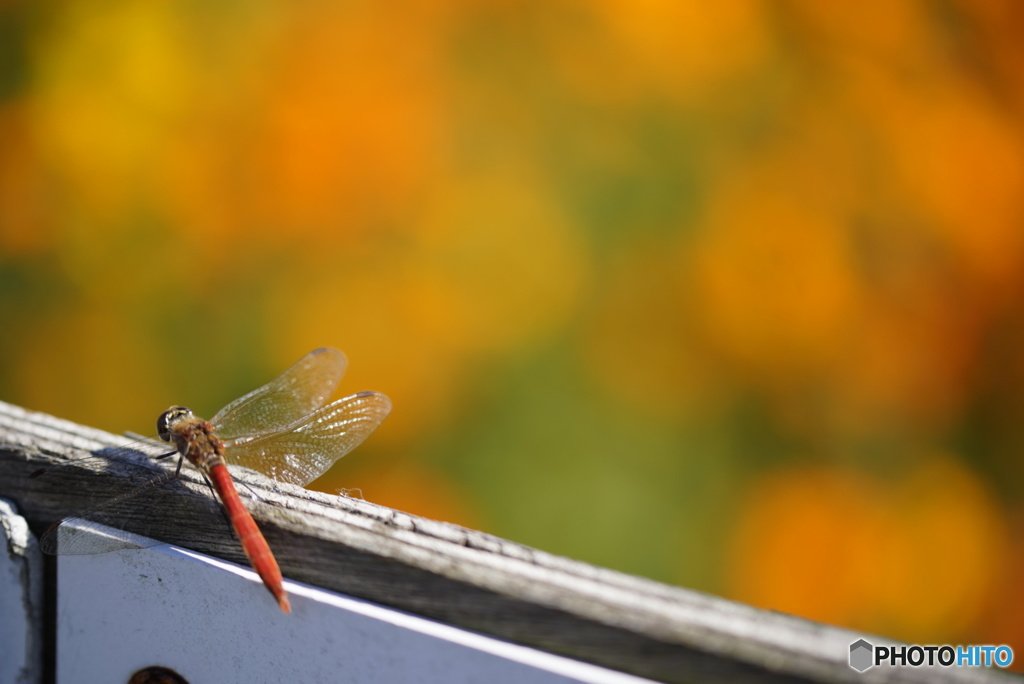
x,y
169,418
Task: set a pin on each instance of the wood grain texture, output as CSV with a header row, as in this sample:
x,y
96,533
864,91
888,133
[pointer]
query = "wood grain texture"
x,y
437,570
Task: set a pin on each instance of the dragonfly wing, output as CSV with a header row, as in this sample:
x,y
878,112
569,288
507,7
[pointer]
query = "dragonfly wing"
x,y
305,451
100,529
283,401
78,536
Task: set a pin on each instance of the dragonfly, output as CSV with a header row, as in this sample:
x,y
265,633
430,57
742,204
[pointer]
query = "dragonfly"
x,y
283,429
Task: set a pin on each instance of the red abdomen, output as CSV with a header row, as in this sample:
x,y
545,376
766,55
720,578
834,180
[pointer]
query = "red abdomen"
x,y
253,543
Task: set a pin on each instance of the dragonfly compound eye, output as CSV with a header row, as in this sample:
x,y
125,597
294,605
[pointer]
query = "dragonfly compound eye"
x,y
168,418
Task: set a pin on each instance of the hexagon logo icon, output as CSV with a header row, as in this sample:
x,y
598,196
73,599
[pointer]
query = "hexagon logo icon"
x,y
861,655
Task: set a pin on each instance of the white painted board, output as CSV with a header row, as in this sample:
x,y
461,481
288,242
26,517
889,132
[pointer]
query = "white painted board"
x,y
21,573
213,621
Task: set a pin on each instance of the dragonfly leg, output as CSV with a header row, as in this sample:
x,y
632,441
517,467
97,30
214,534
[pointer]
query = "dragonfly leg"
x,y
223,511
252,491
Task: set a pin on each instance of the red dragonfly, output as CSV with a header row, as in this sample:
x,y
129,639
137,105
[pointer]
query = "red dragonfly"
x,y
281,429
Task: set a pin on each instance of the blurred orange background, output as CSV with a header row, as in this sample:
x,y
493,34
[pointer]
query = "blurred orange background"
x,y
724,294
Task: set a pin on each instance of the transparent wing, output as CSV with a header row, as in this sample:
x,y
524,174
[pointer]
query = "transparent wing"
x,y
285,400
101,529
78,536
302,452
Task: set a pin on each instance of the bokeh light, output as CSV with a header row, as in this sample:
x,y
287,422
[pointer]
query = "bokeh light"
x,y
728,296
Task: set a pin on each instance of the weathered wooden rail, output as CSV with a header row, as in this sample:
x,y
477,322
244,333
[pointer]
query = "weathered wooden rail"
x,y
447,573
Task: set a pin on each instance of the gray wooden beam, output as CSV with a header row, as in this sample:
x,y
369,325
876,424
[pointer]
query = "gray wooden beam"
x,y
441,571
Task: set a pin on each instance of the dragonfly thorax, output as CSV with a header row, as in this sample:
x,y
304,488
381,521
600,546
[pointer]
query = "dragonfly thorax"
x,y
193,437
